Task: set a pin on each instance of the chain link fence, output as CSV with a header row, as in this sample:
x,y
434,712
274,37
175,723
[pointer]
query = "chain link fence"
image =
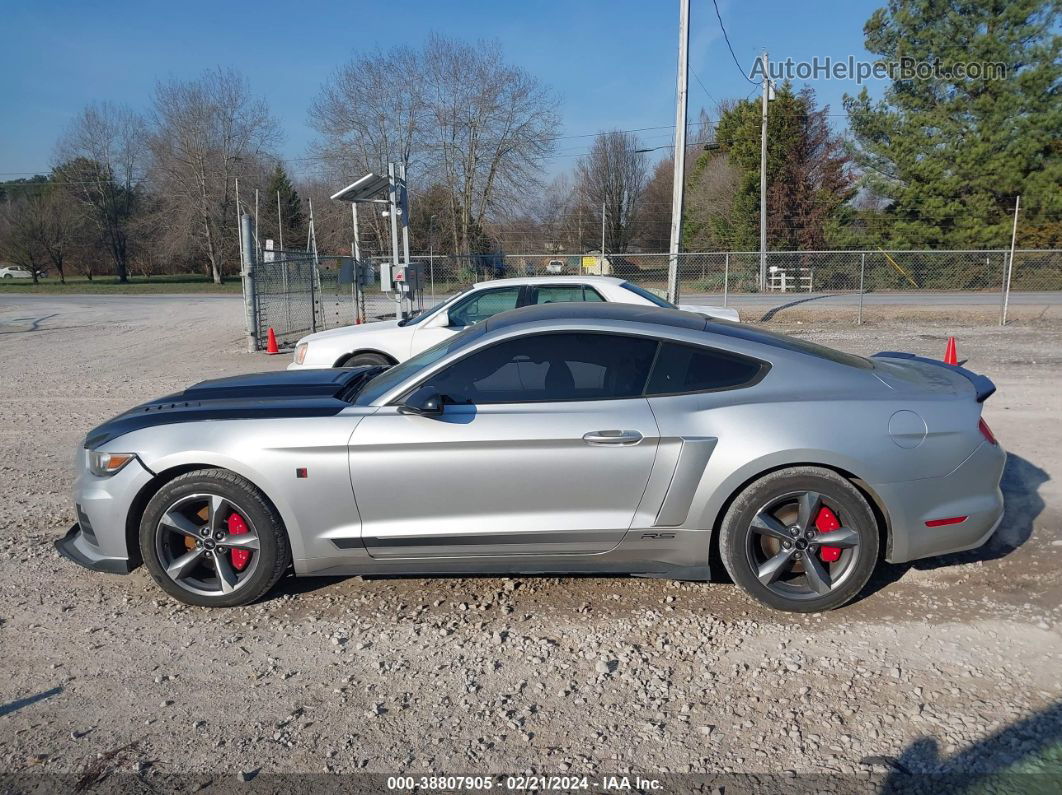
x,y
297,292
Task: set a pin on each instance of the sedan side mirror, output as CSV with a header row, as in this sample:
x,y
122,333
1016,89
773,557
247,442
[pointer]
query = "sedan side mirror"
x,y
441,320
423,402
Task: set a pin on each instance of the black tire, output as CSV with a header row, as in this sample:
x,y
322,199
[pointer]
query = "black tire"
x,y
746,550
270,560
367,359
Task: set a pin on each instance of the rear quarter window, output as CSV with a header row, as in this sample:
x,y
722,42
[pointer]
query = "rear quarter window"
x,y
690,368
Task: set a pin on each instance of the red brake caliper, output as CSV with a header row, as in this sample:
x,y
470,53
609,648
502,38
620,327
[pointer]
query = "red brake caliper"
x,y
824,523
239,556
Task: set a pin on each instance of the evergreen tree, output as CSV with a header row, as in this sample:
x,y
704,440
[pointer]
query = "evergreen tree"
x,y
807,175
949,152
294,227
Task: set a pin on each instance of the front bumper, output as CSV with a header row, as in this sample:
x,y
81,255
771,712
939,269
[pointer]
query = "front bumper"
x,y
971,490
74,546
99,540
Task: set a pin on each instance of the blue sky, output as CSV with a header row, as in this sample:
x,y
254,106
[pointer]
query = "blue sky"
x,y
611,61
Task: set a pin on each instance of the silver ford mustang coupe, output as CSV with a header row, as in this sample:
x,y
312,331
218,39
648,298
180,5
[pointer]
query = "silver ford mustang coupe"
x,y
562,438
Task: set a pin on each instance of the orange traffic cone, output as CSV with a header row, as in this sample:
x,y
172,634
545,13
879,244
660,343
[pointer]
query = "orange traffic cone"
x,y
950,354
271,342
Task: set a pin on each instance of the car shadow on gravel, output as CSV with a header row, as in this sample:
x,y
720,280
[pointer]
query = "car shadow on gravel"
x,y
1022,505
1025,756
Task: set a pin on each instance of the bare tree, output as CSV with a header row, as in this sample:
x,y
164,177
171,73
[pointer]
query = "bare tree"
x,y
454,114
21,220
61,225
711,188
491,126
207,132
371,112
613,176
654,211
101,159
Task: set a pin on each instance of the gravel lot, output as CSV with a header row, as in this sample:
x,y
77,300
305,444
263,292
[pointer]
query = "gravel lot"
x,y
949,664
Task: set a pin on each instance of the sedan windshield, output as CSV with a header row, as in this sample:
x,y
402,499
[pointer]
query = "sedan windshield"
x,y
389,379
652,298
424,314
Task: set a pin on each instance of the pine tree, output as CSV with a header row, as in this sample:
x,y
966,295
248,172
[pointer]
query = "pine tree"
x,y
290,210
807,175
950,153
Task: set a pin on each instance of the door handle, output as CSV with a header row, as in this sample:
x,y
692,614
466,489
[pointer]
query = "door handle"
x,y
612,437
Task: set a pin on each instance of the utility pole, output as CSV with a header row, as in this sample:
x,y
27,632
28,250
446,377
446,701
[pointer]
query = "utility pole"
x,y
680,152
763,176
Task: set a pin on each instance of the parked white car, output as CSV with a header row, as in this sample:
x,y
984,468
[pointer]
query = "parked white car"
x,y
392,341
14,272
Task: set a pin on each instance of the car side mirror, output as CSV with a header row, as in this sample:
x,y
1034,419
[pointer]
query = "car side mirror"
x,y
441,320
423,402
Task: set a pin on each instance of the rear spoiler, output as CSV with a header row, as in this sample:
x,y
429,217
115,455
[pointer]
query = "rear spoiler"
x,y
982,384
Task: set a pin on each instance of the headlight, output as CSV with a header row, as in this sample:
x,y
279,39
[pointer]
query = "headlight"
x,y
103,465
300,352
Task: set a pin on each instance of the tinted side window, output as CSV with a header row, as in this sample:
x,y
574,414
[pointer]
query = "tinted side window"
x,y
545,367
484,304
562,293
687,368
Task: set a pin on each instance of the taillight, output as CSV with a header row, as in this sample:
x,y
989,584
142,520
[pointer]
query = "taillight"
x,y
986,432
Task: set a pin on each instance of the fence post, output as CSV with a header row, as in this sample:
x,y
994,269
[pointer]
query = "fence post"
x,y
1010,270
1003,289
862,273
247,261
313,295
726,276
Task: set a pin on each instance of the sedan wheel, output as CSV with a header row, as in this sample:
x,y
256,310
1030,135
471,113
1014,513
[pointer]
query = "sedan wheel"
x,y
801,539
366,359
210,538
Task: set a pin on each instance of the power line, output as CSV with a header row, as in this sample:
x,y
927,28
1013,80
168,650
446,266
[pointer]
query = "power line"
x,y
733,55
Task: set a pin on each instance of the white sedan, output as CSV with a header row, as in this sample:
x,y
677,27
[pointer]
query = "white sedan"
x,y
14,272
392,341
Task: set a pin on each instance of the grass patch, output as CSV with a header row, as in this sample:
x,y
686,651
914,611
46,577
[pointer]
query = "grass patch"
x,y
178,283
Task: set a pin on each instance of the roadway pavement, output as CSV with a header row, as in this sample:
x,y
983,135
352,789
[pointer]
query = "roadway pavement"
x,y
141,305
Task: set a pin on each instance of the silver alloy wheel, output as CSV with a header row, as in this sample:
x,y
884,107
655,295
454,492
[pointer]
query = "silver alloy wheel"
x,y
783,547
193,544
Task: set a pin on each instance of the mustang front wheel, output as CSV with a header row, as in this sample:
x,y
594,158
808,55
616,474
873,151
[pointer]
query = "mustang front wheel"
x,y
801,539
210,538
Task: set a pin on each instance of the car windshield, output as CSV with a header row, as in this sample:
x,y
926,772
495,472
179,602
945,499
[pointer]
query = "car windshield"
x,y
389,379
424,314
652,298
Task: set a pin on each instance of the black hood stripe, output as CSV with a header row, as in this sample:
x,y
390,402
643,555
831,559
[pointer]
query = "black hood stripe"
x,y
298,393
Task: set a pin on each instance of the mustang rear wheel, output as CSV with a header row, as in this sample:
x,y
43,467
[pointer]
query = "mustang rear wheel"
x,y
801,539
210,538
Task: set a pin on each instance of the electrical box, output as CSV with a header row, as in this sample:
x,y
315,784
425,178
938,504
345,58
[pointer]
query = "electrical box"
x,y
408,279
351,271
